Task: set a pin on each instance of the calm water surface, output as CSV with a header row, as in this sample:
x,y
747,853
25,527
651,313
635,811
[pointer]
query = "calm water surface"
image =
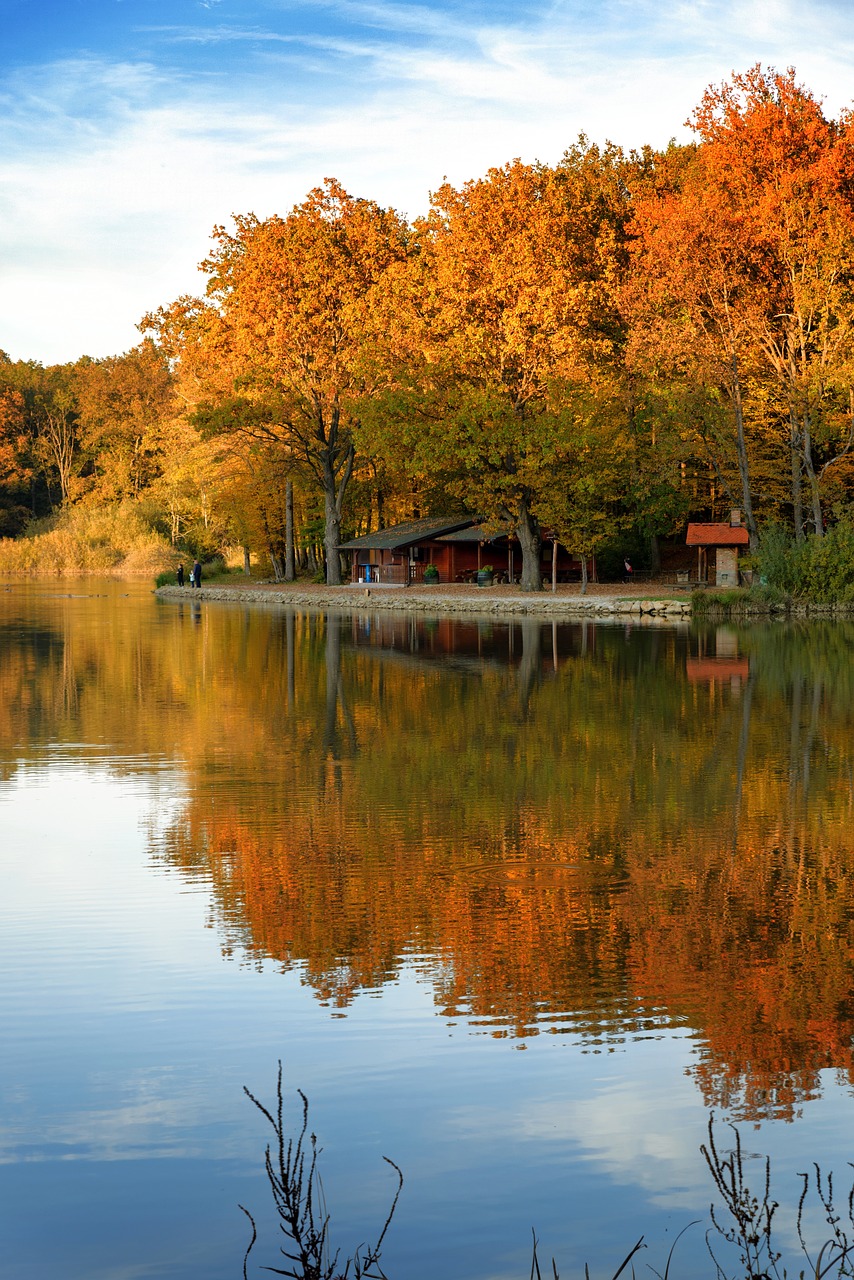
x,y
515,905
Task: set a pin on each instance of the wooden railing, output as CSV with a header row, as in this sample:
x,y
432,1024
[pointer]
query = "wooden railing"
x,y
391,575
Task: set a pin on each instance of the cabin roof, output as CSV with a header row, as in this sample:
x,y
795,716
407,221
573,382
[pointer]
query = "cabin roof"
x,y
471,533
717,535
407,534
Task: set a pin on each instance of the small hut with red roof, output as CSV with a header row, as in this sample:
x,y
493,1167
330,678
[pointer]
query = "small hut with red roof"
x,y
724,540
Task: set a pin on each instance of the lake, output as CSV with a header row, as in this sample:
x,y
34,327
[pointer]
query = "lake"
x,y
517,905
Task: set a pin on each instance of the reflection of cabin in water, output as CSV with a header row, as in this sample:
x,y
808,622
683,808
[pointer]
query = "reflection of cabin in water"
x,y
470,643
457,548
724,540
724,666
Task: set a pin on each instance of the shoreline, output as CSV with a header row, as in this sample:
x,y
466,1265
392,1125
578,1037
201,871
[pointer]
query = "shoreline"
x,y
566,602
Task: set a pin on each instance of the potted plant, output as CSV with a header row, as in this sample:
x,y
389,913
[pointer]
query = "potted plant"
x,y
484,576
431,574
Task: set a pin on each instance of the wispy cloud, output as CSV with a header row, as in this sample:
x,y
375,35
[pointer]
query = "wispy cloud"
x,y
114,171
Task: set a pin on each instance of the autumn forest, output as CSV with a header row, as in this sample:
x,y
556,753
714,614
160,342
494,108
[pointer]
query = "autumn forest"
x,y
598,349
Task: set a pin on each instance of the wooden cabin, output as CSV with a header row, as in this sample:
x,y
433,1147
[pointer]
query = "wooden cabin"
x,y
399,556
724,541
457,548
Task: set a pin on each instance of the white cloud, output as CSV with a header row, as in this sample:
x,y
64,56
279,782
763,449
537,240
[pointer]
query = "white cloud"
x,y
643,1132
113,174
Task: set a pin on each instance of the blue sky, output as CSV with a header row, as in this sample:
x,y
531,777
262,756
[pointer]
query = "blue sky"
x,y
128,128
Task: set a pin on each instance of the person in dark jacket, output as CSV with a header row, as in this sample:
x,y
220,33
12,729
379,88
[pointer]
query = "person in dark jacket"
x,y
179,575
197,574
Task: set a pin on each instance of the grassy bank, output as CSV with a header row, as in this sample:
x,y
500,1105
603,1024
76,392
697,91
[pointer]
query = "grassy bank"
x,y
740,602
764,602
87,540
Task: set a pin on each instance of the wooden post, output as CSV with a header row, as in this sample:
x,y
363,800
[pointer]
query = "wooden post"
x,y
554,564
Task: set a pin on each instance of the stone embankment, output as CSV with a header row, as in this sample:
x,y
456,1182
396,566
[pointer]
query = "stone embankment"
x,y
567,602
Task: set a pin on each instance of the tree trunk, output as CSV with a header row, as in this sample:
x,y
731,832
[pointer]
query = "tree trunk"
x,y
333,677
806,441
247,564
654,553
583,574
289,633
797,479
290,566
530,540
743,468
60,441
529,666
334,487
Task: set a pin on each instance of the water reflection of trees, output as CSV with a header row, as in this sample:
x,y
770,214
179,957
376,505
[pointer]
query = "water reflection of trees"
x,y
563,828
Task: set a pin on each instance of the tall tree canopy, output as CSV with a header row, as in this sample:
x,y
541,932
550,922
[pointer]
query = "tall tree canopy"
x,y
512,293
742,276
281,336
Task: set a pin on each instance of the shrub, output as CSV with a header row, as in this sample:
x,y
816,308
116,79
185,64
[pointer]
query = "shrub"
x,y
827,565
776,558
215,568
817,569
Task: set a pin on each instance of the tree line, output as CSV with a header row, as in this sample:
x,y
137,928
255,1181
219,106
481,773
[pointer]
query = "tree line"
x,y
592,350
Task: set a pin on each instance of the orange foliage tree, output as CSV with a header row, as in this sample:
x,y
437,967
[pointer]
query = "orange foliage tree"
x,y
279,342
511,292
742,278
121,402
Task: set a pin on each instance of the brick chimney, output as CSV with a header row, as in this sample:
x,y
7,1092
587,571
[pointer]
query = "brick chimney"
x,y
735,518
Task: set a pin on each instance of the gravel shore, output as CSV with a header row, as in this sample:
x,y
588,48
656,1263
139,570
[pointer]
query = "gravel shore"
x,y
567,601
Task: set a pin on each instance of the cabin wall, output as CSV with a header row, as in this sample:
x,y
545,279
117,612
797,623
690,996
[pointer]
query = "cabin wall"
x,y
457,561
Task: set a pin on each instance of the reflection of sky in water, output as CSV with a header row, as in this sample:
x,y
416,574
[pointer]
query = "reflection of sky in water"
x,y
127,1038
128,1041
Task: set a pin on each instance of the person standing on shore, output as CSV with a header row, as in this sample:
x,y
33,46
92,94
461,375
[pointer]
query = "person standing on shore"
x,y
197,574
179,575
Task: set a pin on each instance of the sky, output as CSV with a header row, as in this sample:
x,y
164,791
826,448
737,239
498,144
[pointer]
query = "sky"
x,y
130,128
